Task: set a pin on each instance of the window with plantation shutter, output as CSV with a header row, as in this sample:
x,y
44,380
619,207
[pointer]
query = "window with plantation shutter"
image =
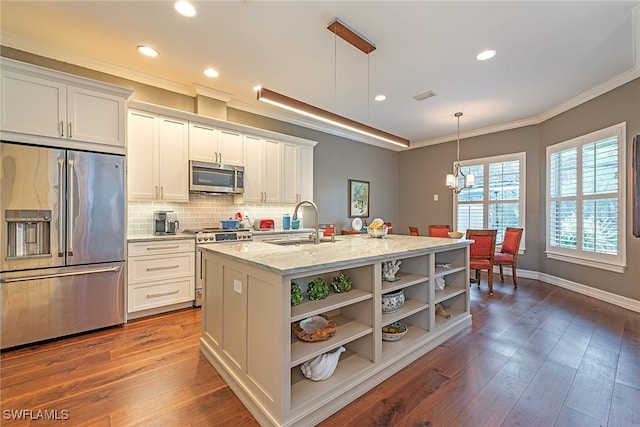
x,y
496,201
585,199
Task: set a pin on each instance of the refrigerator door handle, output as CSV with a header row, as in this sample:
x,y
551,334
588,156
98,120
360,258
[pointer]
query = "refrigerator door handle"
x,y
71,273
70,211
60,206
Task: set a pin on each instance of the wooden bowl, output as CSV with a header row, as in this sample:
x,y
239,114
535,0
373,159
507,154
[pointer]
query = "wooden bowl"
x,y
318,334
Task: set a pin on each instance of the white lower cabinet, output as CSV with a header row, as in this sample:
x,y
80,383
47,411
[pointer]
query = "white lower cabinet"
x,y
161,274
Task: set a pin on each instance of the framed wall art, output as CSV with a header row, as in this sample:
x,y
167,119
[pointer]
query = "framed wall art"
x,y
358,199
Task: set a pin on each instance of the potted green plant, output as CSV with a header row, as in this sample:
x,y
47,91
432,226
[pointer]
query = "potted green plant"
x,y
341,283
317,289
296,294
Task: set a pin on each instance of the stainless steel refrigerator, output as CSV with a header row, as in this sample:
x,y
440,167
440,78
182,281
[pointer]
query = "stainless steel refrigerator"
x,y
62,242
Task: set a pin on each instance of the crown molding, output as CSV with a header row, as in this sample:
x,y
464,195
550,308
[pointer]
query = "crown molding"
x,y
211,93
588,95
20,43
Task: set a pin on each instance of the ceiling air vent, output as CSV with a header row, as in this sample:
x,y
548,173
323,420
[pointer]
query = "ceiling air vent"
x,y
424,96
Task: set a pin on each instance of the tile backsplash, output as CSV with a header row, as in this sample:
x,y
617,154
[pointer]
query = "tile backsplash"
x,y
201,211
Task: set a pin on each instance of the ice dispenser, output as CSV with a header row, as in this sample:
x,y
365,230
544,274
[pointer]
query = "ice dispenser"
x,y
28,233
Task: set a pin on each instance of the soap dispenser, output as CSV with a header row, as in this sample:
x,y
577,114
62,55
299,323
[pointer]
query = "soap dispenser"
x,y
286,222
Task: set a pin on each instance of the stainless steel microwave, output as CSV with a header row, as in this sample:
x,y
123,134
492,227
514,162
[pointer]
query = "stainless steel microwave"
x,y
215,178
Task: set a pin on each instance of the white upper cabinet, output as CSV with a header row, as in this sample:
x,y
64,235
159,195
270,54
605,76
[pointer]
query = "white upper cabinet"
x,y
262,172
230,147
277,168
158,158
210,144
39,104
273,171
33,105
297,173
173,159
95,117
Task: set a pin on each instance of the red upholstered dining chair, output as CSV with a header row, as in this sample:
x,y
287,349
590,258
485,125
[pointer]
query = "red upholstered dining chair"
x,y
508,255
439,230
481,253
413,231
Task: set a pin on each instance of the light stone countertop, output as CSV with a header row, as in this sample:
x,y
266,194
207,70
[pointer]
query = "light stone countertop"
x,y
345,251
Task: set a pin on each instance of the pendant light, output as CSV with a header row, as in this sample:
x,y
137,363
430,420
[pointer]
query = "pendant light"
x,y
339,29
453,179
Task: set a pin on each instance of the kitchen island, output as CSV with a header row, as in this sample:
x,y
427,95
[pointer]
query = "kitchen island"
x,y
247,317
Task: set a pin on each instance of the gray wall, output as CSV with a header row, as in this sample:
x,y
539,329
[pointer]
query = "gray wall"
x,y
619,105
423,175
335,161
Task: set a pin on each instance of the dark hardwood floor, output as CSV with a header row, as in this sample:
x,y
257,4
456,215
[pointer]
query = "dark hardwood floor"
x,y
535,356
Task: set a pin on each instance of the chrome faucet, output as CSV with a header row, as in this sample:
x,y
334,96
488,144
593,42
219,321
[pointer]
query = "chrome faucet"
x,y
315,209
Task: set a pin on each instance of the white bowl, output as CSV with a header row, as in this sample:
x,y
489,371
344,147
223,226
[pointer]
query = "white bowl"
x,y
377,232
394,331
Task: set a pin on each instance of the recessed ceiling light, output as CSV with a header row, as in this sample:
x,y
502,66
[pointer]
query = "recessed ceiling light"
x,y
486,54
148,51
380,98
185,8
210,72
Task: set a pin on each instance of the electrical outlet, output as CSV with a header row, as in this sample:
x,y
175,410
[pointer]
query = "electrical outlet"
x,y
237,286
435,197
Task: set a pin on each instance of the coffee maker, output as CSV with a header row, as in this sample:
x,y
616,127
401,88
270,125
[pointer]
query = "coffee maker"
x,y
165,222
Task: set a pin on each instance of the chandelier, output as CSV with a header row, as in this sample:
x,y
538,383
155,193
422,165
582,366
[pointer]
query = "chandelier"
x,y
453,179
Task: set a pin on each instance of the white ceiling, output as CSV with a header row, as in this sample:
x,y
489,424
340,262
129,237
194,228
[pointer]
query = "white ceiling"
x,y
551,54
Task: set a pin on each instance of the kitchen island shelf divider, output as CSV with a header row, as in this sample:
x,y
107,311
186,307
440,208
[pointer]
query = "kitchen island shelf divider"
x,y
411,306
447,292
331,302
404,280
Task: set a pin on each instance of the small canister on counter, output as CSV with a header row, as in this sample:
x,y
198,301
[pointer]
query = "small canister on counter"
x,y
295,224
286,222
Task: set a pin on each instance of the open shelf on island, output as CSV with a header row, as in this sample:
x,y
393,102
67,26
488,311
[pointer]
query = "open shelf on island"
x,y
449,291
348,330
331,302
307,392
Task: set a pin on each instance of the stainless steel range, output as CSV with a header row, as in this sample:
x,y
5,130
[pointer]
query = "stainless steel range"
x,y
213,235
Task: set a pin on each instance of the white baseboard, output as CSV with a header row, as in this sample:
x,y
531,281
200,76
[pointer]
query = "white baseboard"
x,y
624,302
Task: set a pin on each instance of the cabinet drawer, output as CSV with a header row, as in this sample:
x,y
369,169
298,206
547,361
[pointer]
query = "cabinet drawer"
x,y
144,269
160,293
161,247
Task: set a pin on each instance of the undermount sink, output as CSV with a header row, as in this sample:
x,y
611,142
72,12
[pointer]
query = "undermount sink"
x,y
296,242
